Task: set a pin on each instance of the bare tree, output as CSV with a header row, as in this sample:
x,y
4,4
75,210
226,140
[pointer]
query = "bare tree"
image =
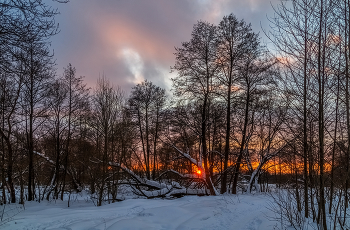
x,y
10,88
57,115
196,64
107,103
146,102
25,27
236,43
77,106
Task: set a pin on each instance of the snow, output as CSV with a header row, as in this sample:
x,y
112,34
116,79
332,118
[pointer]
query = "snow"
x,y
246,211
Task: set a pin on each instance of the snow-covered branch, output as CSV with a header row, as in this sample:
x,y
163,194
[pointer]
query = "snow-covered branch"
x,y
254,179
160,189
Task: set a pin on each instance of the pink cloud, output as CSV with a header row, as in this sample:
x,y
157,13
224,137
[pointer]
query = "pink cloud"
x,y
95,33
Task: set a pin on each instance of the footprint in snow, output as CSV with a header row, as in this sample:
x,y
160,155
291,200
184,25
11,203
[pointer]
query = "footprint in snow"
x,y
205,218
145,214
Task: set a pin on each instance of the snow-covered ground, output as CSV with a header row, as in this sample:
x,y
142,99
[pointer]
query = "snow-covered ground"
x,y
245,211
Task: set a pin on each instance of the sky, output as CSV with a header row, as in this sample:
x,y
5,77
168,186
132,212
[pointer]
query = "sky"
x,y
129,41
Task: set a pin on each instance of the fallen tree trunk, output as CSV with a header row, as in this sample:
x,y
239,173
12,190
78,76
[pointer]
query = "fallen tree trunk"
x,y
158,189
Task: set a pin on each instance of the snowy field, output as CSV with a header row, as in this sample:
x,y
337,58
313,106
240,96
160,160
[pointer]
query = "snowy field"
x,y
245,211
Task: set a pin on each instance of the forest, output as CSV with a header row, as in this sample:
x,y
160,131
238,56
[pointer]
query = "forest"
x,y
241,116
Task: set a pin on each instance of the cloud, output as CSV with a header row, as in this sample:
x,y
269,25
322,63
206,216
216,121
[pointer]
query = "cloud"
x,y
134,63
132,40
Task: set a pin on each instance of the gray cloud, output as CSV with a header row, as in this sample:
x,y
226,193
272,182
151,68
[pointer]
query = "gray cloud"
x,y
131,40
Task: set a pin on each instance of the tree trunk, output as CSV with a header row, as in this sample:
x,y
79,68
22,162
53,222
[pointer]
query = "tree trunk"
x,y
142,139
155,146
321,83
305,145
31,186
148,172
240,156
227,139
57,167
